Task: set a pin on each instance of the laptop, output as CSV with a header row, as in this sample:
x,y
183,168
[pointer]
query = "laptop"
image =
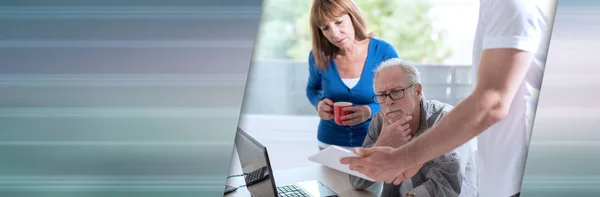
x,y
258,173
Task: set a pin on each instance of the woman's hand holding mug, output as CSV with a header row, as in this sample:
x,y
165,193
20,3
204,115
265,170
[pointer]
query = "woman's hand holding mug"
x,y
325,109
353,115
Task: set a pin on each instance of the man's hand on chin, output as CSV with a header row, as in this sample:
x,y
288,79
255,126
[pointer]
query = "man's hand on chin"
x,y
395,134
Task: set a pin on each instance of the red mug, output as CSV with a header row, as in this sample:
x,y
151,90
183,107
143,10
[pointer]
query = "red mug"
x,y
338,111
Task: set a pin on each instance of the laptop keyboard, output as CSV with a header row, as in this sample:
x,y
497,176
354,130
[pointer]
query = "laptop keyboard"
x,y
291,191
256,176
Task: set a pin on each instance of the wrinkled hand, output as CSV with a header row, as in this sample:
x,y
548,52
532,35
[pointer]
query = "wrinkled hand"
x,y
395,134
358,114
379,164
325,109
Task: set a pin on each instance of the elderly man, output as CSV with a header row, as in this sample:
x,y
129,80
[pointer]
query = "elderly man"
x,y
406,114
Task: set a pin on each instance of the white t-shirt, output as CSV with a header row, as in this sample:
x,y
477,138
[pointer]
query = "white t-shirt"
x,y
503,147
350,83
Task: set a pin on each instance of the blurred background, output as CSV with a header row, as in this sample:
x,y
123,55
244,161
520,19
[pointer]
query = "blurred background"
x,y
121,98
563,156
425,32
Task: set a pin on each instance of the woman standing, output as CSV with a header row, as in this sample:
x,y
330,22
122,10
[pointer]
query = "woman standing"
x,y
341,67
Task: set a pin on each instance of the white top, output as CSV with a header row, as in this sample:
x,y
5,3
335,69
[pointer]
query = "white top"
x,y
503,147
350,83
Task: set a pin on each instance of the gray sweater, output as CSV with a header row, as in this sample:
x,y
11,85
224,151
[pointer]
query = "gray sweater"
x,y
438,177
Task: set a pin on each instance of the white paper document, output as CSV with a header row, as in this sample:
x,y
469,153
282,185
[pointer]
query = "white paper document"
x,y
331,156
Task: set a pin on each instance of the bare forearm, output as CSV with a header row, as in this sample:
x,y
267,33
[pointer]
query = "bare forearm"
x,y
499,76
467,120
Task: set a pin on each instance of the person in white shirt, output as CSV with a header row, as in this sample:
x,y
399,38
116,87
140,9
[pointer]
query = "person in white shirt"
x,y
508,35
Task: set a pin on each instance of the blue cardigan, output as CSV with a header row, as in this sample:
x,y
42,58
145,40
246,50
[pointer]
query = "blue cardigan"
x,y
328,84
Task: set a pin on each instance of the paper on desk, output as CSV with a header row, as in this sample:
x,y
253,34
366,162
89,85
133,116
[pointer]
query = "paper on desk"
x,y
331,156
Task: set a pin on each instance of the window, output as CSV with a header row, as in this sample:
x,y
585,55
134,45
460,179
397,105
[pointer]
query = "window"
x,y
428,33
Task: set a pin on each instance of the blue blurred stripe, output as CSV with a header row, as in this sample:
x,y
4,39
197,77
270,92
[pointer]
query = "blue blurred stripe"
x,y
229,12
113,143
121,80
205,112
561,183
248,44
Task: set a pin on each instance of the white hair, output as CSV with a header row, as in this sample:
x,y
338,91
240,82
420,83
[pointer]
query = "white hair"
x,y
410,70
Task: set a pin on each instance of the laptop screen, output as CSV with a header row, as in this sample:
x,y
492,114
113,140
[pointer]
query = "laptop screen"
x,y
255,165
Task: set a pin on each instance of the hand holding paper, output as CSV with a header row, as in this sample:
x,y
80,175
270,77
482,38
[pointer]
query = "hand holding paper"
x,y
331,156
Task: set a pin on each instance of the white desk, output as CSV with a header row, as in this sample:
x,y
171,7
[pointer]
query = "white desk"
x,y
335,180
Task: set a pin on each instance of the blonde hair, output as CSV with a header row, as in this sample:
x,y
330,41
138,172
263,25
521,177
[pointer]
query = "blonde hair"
x,y
326,10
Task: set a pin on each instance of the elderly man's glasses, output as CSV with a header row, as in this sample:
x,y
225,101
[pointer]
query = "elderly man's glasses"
x,y
394,95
